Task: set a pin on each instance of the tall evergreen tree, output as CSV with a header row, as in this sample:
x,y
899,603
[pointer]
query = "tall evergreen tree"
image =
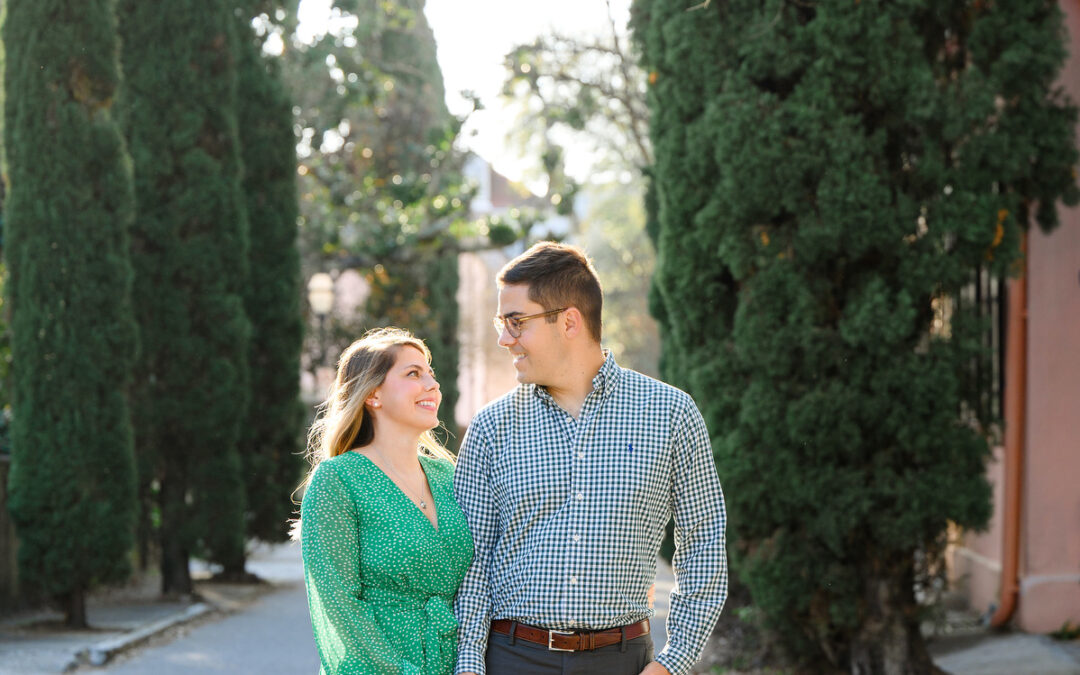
x,y
383,190
68,211
829,176
190,244
270,450
415,115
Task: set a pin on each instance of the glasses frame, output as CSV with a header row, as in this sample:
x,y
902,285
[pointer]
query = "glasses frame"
x,y
512,324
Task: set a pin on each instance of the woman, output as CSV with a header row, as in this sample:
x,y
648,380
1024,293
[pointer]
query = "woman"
x,y
385,545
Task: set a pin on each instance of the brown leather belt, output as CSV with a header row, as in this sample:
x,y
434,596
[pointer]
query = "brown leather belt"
x,y
570,641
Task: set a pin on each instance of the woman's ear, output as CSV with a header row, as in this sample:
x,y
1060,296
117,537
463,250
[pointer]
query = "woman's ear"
x,y
373,402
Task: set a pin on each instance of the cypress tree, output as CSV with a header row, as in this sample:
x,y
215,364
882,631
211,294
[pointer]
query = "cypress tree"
x,y
190,244
68,211
270,449
829,176
416,112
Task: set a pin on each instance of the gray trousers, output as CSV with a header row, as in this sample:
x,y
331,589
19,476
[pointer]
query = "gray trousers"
x,y
527,658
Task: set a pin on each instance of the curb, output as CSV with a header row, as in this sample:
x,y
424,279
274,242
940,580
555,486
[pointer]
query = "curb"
x,y
100,653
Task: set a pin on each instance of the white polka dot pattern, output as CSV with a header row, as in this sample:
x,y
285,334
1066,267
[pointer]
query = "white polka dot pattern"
x,y
380,577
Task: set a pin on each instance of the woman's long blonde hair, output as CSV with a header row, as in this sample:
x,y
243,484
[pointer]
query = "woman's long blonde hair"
x,y
343,422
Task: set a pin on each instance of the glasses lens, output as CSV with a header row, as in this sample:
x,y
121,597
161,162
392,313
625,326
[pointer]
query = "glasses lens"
x,y
510,324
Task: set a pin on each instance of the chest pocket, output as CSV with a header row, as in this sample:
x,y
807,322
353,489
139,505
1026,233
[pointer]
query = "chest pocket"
x,y
640,471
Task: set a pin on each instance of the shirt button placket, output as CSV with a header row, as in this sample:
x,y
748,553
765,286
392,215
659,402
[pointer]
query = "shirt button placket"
x,y
577,472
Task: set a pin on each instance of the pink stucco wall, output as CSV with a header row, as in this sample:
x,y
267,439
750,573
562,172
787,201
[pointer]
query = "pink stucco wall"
x,y
975,566
1050,521
1050,504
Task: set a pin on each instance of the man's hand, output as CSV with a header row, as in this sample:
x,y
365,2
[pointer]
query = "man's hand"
x,y
655,668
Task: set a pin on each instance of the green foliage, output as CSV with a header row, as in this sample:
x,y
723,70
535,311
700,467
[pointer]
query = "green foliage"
x,y
5,335
190,248
828,177
271,448
585,90
379,177
423,299
588,91
68,288
1068,631
613,232
5,357
380,181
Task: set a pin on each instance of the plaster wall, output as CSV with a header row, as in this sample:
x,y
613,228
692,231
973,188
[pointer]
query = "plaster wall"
x,y
1050,501
1050,519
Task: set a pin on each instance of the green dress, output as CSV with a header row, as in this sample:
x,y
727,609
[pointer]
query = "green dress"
x,y
380,578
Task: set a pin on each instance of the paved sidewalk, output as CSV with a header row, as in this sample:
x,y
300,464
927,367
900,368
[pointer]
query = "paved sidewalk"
x,y
122,618
991,653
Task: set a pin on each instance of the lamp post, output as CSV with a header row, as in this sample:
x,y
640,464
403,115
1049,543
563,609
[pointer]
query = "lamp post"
x,y
320,290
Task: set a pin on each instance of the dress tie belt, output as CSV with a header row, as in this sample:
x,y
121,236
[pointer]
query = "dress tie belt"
x,y
440,626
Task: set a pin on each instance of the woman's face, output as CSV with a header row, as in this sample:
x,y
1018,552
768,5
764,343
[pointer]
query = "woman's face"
x,y
409,397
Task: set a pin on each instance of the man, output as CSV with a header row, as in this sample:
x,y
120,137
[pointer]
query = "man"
x,y
567,483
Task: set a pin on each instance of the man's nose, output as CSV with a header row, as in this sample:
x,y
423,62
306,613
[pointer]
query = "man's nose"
x,y
505,338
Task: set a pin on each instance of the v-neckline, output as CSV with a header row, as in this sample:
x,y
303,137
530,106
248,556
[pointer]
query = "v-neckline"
x,y
416,507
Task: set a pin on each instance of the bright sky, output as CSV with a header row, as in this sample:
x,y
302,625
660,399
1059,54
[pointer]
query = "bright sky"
x,y
472,37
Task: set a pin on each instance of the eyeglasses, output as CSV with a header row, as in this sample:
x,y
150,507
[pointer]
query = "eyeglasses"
x,y
512,324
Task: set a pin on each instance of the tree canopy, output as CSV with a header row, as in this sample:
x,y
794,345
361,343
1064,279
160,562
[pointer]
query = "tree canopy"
x,y
828,178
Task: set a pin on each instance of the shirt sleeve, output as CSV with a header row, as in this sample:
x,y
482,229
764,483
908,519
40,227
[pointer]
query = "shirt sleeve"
x,y
700,561
473,492
348,638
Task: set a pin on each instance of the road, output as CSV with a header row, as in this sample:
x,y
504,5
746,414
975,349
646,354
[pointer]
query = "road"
x,y
271,635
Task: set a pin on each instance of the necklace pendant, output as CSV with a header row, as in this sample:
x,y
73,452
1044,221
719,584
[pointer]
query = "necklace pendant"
x,y
423,504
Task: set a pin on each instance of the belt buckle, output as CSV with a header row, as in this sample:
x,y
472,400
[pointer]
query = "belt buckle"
x,y
551,636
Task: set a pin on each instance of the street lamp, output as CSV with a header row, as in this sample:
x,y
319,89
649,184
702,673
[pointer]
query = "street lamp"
x,y
320,294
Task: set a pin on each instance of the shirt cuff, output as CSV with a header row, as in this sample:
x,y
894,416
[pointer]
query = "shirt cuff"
x,y
470,661
677,664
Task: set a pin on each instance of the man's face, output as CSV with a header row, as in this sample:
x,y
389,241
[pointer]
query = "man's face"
x,y
538,350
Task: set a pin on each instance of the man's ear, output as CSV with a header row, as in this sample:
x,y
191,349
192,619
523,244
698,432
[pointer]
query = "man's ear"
x,y
573,322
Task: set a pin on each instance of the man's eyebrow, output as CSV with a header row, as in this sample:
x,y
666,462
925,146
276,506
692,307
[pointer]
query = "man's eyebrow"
x,y
510,314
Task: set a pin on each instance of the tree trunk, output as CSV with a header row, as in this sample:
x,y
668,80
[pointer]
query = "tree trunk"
x,y
75,609
889,642
144,530
175,575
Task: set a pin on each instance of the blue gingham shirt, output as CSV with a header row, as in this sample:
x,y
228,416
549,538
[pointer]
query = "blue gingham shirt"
x,y
567,515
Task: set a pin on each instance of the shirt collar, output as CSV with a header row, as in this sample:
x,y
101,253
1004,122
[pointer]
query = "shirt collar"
x,y
603,383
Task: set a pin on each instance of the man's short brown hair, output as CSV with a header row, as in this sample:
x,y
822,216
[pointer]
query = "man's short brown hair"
x,y
558,275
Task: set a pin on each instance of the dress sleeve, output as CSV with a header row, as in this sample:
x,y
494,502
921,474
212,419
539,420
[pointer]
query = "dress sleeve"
x,y
700,561
472,490
347,636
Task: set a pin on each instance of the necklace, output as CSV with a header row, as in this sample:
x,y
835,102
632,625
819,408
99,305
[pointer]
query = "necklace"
x,y
423,503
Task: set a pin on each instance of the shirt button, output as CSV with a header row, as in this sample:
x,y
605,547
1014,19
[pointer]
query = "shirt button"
x,y
581,455
580,496
573,580
577,537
